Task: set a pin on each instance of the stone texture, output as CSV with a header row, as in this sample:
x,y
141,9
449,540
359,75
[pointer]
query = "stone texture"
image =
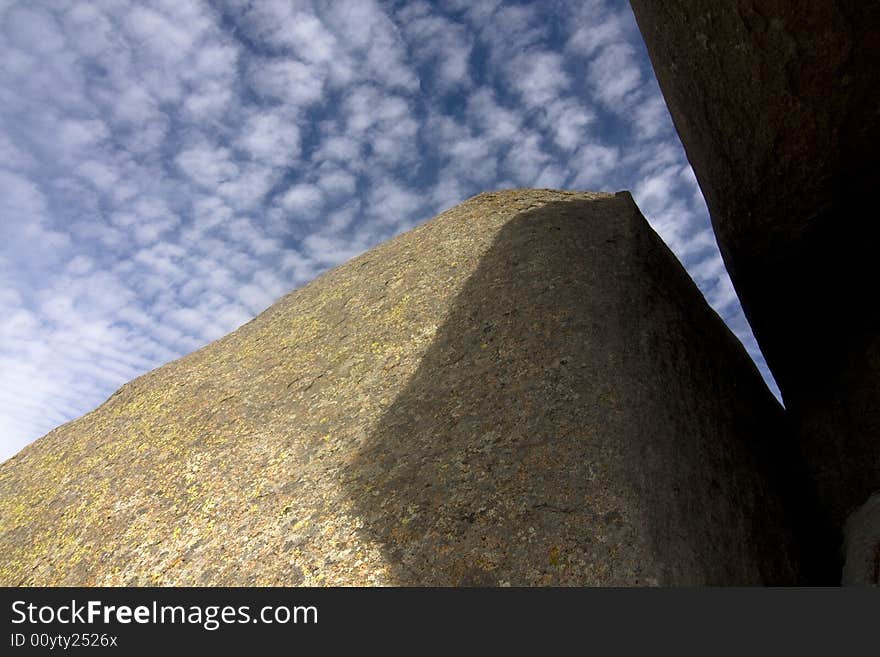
x,y
527,389
777,106
862,552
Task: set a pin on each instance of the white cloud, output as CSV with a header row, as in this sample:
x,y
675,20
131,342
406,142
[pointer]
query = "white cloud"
x,y
245,233
286,26
340,148
100,174
327,250
538,76
656,191
160,37
75,135
168,169
614,75
21,201
255,298
526,159
13,156
567,120
247,189
33,29
302,200
439,44
88,30
208,165
394,203
81,265
371,41
292,82
336,182
270,138
209,101
493,120
595,30
594,162
510,29
652,117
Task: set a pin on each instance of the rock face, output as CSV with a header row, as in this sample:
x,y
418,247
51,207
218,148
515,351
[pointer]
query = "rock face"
x,y
776,103
862,564
527,389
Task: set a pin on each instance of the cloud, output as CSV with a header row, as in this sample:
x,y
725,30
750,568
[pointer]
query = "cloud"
x,y
442,47
614,75
290,82
539,77
285,27
593,163
302,200
336,182
567,120
22,200
169,169
270,139
596,28
207,165
32,29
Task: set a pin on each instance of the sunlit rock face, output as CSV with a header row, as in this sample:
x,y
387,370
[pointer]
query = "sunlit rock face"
x,y
776,103
526,390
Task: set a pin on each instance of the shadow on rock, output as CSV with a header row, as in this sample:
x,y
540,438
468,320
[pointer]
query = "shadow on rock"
x,y
582,417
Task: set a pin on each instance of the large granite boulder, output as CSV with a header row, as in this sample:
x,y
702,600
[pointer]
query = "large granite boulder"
x,y
778,108
528,389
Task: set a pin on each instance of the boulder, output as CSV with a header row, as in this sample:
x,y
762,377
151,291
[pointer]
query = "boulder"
x,y
776,104
526,390
862,553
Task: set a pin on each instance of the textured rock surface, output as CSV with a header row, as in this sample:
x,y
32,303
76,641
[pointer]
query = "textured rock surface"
x,y
777,106
526,389
862,563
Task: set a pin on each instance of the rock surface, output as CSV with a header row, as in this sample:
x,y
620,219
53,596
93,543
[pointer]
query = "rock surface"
x,y
777,106
527,389
862,554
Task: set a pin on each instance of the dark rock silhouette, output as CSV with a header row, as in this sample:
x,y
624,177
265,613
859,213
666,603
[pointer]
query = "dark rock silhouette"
x,y
776,103
862,531
527,389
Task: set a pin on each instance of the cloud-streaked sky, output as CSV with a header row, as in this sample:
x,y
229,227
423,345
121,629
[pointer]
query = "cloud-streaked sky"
x,y
170,168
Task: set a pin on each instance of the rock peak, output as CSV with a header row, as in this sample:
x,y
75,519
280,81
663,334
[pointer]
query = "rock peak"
x,y
527,389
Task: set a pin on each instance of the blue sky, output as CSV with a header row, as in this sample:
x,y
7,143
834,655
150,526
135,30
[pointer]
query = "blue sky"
x,y
170,168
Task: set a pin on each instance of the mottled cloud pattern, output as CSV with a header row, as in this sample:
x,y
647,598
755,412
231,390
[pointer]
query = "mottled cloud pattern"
x,y
168,169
